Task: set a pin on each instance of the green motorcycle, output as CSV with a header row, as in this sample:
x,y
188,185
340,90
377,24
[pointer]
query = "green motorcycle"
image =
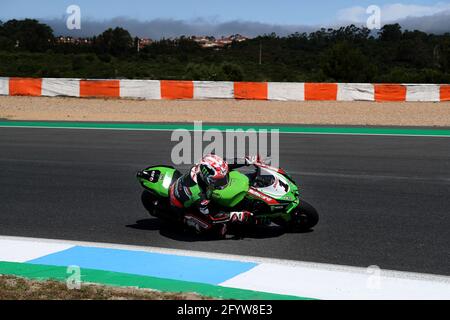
x,y
269,193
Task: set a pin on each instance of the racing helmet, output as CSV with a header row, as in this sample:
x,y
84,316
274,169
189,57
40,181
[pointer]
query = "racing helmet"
x,y
213,170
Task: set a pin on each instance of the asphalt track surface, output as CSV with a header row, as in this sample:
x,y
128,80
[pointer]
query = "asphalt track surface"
x,y
383,200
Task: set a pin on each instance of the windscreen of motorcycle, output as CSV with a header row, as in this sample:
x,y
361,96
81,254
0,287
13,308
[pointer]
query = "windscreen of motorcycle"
x,y
280,186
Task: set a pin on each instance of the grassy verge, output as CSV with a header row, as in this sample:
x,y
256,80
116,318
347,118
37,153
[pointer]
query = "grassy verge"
x,y
17,288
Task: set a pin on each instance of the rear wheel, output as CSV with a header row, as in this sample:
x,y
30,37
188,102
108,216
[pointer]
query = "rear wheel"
x,y
304,218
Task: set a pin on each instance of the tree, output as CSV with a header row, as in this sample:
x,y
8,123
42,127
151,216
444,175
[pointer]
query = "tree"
x,y
5,42
116,42
443,55
232,72
28,34
346,54
344,62
391,32
223,72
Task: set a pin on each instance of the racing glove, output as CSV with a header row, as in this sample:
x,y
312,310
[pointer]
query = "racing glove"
x,y
249,160
203,207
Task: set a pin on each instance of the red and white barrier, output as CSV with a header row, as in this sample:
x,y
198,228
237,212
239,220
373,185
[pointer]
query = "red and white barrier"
x,y
4,86
174,89
60,87
213,90
356,92
286,91
140,89
444,93
422,92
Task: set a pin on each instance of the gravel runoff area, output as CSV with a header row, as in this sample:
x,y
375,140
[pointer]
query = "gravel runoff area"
x,y
227,111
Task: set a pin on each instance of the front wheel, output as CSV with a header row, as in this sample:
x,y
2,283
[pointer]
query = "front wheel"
x,y
148,201
304,217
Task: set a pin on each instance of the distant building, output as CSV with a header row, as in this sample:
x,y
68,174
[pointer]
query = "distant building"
x,y
62,39
238,38
203,41
211,42
71,40
144,42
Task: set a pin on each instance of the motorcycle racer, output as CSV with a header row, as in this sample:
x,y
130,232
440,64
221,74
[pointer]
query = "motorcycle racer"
x,y
190,194
264,196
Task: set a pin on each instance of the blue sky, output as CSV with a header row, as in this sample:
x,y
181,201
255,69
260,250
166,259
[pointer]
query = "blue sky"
x,y
282,12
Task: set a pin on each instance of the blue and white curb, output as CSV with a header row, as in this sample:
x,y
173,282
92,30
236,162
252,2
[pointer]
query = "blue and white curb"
x,y
192,269
284,277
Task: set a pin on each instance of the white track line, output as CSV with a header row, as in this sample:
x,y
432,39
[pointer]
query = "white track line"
x,y
341,283
237,127
17,250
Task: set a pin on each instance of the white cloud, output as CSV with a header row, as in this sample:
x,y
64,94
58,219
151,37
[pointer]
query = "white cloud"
x,y
397,11
392,12
355,14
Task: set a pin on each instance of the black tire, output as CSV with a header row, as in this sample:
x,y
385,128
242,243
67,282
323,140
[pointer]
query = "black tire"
x,y
147,201
304,218
161,210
